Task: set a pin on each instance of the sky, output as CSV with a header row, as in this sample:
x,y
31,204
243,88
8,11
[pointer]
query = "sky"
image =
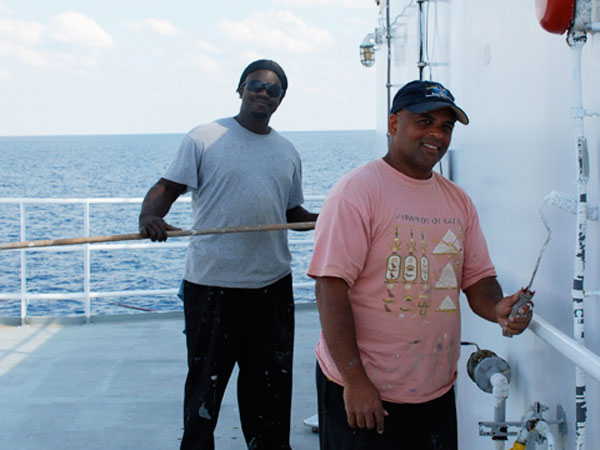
x,y
151,66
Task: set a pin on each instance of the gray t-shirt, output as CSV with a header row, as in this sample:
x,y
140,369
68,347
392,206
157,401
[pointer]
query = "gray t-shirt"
x,y
238,178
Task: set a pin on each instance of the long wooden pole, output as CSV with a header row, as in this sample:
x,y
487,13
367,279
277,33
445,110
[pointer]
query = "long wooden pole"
x,y
133,237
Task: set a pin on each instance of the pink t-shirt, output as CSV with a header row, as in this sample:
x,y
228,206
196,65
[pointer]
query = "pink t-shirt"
x,y
405,247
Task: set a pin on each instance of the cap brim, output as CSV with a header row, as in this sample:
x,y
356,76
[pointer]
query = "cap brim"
x,y
432,106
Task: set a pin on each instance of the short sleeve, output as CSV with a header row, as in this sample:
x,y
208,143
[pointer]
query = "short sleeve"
x,y
477,262
296,197
342,241
184,169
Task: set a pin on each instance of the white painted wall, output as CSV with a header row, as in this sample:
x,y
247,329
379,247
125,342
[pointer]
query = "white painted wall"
x,y
514,81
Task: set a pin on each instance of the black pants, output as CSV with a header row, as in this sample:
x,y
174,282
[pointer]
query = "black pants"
x,y
423,426
255,328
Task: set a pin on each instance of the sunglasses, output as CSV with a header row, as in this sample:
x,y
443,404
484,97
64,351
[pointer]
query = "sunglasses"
x,y
274,90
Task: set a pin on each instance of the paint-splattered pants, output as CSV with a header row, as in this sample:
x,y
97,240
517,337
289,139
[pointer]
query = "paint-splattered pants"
x,y
255,329
422,426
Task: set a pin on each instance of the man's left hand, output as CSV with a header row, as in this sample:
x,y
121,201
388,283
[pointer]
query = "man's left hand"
x,y
512,325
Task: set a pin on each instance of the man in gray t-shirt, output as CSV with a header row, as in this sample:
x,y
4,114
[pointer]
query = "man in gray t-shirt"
x,y
237,288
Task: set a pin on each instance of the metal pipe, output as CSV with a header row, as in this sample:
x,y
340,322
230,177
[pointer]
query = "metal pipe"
x,y
500,393
576,41
105,200
388,38
23,265
421,64
579,355
86,263
543,429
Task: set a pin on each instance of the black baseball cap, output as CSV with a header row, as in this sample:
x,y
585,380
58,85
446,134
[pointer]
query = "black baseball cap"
x,y
424,96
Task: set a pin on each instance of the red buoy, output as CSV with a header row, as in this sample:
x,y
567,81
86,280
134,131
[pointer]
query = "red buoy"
x,y
555,16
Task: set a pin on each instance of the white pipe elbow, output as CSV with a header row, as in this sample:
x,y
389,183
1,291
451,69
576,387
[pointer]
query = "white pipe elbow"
x,y
543,429
499,387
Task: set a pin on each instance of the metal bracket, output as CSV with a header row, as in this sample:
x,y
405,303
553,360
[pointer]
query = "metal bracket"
x,y
501,430
498,430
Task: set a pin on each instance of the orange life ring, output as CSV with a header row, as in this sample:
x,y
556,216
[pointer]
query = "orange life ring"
x,y
555,16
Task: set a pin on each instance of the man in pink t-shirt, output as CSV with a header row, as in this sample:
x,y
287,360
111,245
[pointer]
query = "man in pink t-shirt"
x,y
395,243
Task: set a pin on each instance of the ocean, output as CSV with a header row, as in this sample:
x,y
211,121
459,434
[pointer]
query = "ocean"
x,y
126,166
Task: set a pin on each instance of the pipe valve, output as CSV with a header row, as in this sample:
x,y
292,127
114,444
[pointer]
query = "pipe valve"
x,y
483,364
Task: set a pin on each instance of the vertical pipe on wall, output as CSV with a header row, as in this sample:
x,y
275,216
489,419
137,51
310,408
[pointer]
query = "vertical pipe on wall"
x,y
576,41
388,37
421,63
500,392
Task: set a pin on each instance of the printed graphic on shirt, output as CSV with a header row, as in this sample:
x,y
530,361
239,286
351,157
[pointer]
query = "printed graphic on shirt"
x,y
408,304
409,272
449,245
447,305
424,264
448,279
419,270
423,305
393,265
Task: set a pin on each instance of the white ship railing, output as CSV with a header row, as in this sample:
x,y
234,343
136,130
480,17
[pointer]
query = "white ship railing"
x,y
553,337
567,346
87,294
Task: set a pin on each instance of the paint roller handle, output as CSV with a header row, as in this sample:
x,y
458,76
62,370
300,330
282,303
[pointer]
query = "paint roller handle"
x,y
525,296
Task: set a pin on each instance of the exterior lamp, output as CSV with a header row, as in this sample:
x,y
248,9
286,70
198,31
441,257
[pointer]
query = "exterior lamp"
x,y
367,50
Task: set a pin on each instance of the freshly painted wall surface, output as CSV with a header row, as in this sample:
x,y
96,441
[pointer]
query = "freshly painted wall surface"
x,y
514,81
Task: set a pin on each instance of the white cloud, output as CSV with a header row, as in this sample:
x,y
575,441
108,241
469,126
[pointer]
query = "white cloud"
x,y
27,32
162,27
207,47
75,28
251,55
4,73
359,4
206,64
276,30
351,4
24,54
132,24
76,63
158,26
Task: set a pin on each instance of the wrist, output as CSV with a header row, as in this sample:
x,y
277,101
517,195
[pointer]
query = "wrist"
x,y
353,372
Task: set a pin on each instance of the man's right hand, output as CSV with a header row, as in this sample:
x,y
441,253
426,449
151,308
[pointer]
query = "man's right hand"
x,y
363,405
155,228
155,206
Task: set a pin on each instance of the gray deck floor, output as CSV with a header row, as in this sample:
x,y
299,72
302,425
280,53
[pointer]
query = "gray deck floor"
x,y
120,386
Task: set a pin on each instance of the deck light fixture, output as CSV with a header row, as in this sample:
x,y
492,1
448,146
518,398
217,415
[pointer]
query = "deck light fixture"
x,y
369,45
367,50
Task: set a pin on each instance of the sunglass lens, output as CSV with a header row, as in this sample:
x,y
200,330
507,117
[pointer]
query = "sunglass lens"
x,y
274,90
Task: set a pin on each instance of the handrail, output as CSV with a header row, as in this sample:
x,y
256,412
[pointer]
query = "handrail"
x,y
105,200
579,355
87,294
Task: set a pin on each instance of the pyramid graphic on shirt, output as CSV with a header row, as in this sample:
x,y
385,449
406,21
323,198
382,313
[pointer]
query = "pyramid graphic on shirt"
x,y
448,279
447,305
449,245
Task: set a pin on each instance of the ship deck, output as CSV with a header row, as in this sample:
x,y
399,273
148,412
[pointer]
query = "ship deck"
x,y
119,385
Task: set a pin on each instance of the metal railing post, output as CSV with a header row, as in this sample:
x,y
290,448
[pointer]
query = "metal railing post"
x,y
86,261
23,264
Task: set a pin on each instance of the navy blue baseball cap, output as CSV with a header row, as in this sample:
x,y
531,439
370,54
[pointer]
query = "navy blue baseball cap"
x,y
424,96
